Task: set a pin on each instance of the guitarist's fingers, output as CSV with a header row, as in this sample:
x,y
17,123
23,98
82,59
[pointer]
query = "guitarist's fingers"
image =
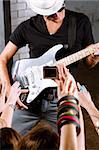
x,y
21,105
96,53
96,46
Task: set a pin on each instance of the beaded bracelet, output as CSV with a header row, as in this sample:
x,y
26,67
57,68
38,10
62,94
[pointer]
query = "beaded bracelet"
x,y
68,104
69,97
67,113
64,116
68,117
67,108
69,122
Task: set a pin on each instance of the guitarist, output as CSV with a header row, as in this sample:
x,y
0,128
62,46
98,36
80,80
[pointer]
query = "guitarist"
x,y
48,28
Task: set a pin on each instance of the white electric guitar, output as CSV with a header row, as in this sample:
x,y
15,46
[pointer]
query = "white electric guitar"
x,y
29,72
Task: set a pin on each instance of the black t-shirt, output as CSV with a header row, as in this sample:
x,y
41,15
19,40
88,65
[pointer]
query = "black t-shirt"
x,y
34,33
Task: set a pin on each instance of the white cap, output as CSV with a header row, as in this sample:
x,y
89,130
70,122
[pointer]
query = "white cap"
x,y
45,7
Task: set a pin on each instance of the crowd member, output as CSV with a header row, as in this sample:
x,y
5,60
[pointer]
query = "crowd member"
x,y
87,103
7,107
9,138
70,120
41,137
41,32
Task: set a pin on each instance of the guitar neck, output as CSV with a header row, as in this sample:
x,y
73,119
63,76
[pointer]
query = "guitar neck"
x,y
75,57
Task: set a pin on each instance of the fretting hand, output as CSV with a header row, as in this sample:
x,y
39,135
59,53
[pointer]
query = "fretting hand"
x,y
93,59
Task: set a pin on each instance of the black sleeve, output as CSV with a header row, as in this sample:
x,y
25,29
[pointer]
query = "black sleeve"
x,y
88,36
18,36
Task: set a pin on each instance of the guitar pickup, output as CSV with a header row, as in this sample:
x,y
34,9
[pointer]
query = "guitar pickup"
x,y
50,72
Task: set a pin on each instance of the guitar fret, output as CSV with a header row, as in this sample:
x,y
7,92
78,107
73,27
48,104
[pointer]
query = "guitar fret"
x,y
75,57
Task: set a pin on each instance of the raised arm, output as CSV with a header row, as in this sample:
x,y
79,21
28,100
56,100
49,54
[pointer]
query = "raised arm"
x,y
87,103
5,56
9,106
67,95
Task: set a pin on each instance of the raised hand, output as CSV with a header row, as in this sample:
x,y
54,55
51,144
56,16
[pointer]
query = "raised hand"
x,y
66,83
15,93
86,102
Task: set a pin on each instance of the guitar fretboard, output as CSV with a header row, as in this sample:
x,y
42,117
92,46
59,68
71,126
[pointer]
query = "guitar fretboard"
x,y
75,57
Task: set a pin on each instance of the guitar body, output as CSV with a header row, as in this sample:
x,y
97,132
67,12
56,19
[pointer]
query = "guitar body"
x,y
29,72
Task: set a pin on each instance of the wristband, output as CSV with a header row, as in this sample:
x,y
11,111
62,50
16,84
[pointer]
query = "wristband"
x,y
67,108
68,104
69,97
65,122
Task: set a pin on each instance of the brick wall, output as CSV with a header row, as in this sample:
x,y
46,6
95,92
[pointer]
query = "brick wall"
x,y
20,12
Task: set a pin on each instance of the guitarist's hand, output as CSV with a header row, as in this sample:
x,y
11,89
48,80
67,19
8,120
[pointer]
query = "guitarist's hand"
x,y
96,52
93,59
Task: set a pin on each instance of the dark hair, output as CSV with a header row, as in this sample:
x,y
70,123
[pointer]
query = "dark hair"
x,y
41,137
9,138
54,16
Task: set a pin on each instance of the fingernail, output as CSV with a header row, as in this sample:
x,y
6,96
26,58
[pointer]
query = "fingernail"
x,y
26,107
97,124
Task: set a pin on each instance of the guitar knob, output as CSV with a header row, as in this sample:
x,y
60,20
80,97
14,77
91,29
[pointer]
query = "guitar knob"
x,y
30,77
25,81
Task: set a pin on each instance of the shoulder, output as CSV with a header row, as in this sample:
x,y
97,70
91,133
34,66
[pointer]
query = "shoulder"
x,y
27,23
80,17
24,23
30,23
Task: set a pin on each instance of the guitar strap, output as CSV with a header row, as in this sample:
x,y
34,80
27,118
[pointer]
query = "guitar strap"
x,y
71,42
71,30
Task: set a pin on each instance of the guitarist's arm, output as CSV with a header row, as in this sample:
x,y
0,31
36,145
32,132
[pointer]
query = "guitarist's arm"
x,y
93,59
5,56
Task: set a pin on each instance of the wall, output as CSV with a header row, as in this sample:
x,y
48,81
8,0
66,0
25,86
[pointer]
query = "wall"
x,y
20,12
91,9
